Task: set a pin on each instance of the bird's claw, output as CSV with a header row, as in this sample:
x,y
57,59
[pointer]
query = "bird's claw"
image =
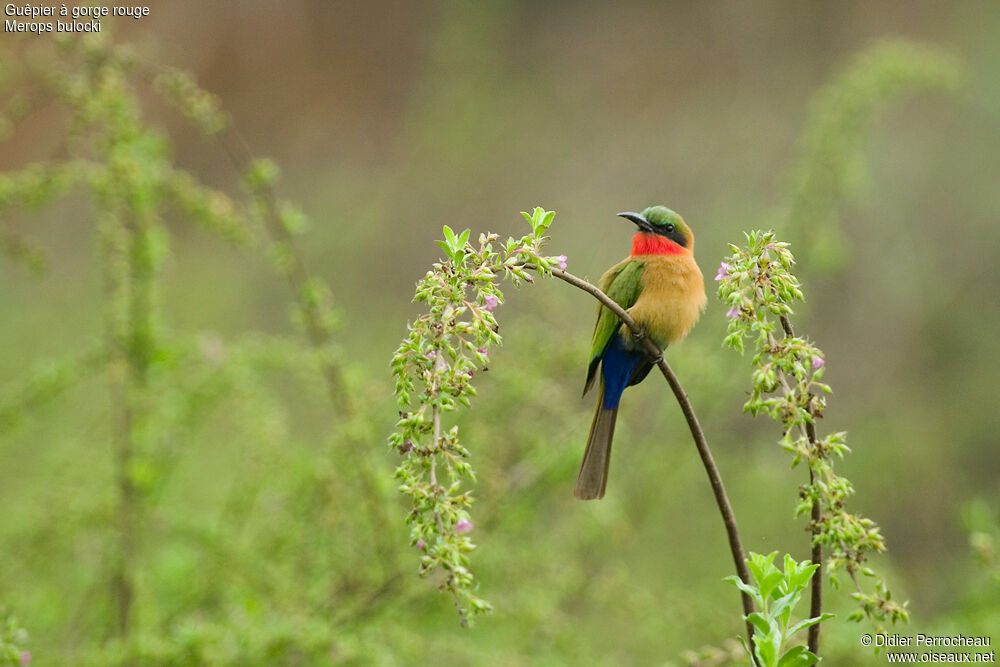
x,y
638,335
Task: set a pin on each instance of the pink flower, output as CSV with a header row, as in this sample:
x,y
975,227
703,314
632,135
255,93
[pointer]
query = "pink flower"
x,y
561,259
722,272
470,374
483,351
490,302
431,354
25,657
463,526
421,544
818,362
733,313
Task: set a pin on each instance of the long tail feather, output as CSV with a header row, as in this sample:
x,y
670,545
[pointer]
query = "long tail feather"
x,y
593,477
618,366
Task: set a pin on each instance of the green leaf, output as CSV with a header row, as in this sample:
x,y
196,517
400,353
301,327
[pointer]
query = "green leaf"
x,y
749,590
803,576
746,647
798,656
809,622
760,565
770,583
768,647
449,236
782,607
761,622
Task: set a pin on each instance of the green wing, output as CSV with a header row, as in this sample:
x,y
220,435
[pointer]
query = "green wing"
x,y
622,283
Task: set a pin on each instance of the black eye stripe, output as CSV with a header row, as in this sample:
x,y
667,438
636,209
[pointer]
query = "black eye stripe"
x,y
670,230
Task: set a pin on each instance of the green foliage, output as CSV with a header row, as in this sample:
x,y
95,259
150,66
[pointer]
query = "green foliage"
x,y
830,170
47,380
434,367
777,593
13,638
201,108
757,284
730,653
983,528
170,389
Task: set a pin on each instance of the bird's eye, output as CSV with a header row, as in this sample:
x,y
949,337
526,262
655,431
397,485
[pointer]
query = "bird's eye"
x,y
668,228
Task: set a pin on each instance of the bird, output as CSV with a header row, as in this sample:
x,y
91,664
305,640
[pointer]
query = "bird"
x,y
662,289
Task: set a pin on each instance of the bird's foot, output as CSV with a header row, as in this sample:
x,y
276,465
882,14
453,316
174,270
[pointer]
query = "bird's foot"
x,y
638,336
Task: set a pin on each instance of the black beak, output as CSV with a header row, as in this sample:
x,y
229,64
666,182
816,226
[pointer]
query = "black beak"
x,y
640,221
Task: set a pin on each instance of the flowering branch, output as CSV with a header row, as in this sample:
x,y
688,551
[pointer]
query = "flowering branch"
x,y
434,367
757,284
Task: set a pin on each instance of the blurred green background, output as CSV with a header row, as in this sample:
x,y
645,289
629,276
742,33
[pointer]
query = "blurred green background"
x,y
389,119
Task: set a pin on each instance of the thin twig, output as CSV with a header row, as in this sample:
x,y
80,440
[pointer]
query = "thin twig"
x,y
236,147
715,478
122,581
816,594
318,334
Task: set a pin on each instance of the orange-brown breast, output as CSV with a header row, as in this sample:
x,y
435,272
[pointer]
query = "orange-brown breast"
x,y
672,297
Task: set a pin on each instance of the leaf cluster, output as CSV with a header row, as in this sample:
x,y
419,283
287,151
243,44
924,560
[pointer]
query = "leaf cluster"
x,y
168,386
777,592
13,638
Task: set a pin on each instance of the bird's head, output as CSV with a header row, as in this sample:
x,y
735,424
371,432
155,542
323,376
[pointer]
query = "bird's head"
x,y
661,232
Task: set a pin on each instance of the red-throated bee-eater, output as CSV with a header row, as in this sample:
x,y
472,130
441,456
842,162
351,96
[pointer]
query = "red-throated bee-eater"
x,y
662,289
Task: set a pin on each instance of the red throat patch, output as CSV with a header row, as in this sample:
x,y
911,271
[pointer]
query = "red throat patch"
x,y
644,243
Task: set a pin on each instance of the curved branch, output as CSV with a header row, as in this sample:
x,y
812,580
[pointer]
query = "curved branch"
x,y
715,478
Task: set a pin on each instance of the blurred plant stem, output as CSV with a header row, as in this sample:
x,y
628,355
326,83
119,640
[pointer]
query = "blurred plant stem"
x,y
281,223
126,200
316,315
121,377
314,301
829,171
